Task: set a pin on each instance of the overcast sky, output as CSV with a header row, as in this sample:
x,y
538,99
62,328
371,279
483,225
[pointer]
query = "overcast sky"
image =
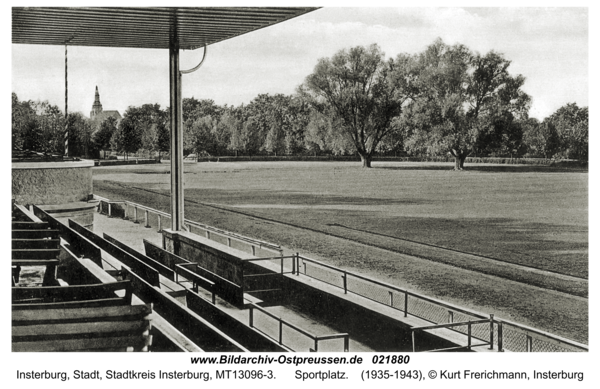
x,y
549,46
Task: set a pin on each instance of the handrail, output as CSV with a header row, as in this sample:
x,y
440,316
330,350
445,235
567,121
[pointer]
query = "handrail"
x,y
528,331
522,328
315,338
240,238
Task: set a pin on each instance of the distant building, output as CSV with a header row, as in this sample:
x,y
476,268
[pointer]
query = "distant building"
x,y
98,115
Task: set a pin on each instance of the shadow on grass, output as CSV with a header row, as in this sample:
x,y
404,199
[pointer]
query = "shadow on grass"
x,y
491,168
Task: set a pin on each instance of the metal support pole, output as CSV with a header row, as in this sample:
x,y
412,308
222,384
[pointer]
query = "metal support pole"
x,y
405,304
176,132
469,335
280,331
159,224
491,331
66,136
146,219
500,338
345,277
251,317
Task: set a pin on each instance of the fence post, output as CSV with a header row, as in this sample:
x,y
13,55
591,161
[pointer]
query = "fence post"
x,y
500,338
159,223
207,234
469,335
251,324
345,277
491,331
450,317
391,298
109,210
253,250
412,335
280,331
228,241
135,214
316,344
281,265
346,343
146,219
405,303
529,344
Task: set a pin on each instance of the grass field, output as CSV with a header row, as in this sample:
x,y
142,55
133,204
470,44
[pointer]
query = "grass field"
x,y
508,239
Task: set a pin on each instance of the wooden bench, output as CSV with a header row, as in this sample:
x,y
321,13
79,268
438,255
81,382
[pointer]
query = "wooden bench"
x,y
81,328
33,244
73,293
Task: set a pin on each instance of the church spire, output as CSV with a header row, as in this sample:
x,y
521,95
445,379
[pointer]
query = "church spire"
x,y
97,107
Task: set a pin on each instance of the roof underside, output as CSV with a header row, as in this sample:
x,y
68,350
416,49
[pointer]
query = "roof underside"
x,y
141,27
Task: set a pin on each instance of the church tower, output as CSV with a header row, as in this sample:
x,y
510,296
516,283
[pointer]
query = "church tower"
x,y
97,107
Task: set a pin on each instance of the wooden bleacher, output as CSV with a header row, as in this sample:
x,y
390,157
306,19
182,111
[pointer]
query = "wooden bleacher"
x,y
33,243
79,318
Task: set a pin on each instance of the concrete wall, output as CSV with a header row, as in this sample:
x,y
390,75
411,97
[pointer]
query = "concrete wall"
x,y
44,183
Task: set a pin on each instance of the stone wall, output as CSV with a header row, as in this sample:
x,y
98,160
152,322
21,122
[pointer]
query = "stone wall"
x,y
44,183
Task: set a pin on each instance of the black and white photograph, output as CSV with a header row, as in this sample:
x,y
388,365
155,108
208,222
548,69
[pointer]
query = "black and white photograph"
x,y
347,194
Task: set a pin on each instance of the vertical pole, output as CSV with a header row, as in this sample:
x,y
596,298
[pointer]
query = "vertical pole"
x,y
405,304
391,298
450,317
491,331
176,131
66,137
146,219
280,331
251,316
346,343
412,335
500,338
469,335
529,342
345,277
159,224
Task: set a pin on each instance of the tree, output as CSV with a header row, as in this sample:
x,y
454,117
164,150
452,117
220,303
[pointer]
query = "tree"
x,y
101,138
163,136
572,127
463,99
362,91
541,139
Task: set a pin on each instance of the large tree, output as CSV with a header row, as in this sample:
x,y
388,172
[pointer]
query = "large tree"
x,y
362,91
572,127
101,138
464,97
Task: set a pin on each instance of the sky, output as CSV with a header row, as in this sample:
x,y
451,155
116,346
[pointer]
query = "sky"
x,y
549,46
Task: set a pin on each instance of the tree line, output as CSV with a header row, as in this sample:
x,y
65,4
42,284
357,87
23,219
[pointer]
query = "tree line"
x,y
446,100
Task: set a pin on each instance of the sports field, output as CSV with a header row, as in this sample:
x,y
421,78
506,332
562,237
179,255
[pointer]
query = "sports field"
x,y
510,240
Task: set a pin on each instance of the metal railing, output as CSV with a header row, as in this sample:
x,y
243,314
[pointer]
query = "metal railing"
x,y
152,218
181,270
469,324
507,335
281,323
